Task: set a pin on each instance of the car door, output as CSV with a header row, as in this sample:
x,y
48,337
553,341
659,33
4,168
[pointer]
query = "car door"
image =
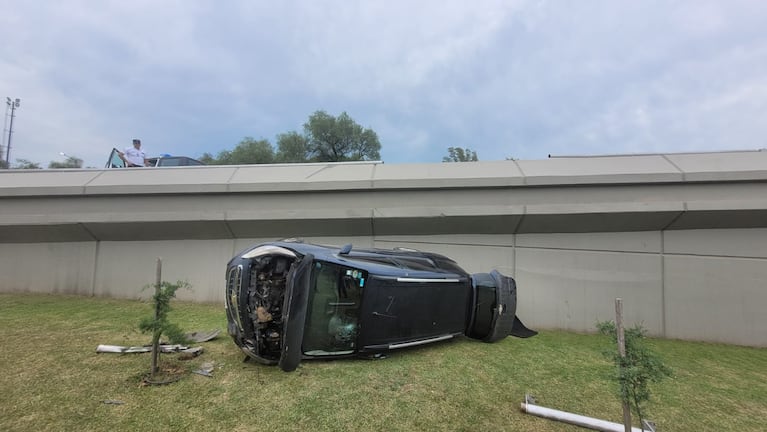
x,y
294,313
115,161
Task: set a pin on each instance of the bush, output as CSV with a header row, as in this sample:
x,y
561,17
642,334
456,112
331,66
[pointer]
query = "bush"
x,y
637,369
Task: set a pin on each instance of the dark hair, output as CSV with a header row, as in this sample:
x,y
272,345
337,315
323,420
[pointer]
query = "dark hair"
x,y
135,140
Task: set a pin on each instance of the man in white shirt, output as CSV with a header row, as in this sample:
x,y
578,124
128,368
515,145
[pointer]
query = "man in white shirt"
x,y
134,156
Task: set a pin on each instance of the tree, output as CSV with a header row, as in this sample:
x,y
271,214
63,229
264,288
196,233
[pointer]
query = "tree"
x,y
458,154
159,324
336,139
325,139
208,159
637,369
26,164
70,162
248,151
292,147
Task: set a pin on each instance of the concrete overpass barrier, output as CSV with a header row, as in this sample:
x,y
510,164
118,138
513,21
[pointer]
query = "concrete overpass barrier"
x,y
679,236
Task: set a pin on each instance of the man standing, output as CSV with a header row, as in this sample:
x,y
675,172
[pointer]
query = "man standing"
x,y
134,156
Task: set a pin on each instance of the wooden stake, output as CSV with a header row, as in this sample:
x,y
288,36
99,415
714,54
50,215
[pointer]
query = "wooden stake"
x,y
155,335
622,352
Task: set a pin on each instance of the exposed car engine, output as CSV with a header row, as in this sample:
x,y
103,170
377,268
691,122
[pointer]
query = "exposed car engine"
x,y
265,298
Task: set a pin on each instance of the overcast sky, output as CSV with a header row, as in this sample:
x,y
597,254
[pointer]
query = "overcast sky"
x,y
520,79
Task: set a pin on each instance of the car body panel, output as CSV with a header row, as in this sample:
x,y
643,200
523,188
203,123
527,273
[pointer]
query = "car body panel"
x,y
409,309
294,312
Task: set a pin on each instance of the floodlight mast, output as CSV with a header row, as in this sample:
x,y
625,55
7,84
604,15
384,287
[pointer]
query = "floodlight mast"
x,y
13,104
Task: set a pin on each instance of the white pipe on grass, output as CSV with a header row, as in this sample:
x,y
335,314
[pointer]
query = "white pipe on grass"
x,y
575,419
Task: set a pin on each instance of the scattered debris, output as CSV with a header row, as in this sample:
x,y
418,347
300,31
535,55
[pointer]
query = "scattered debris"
x,y
190,353
122,349
199,336
529,407
173,348
113,402
206,369
117,349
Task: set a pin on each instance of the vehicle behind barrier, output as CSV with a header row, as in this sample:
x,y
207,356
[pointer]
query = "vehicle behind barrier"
x,y
165,160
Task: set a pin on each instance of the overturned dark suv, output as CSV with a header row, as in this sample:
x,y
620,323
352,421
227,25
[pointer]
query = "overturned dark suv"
x,y
288,300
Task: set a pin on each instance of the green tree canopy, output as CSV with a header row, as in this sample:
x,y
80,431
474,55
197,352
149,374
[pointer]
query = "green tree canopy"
x,y
70,162
292,147
20,164
24,164
635,370
458,154
248,151
336,139
325,139
207,159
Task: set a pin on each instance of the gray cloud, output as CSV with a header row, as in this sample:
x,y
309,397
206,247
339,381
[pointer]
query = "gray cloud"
x,y
522,79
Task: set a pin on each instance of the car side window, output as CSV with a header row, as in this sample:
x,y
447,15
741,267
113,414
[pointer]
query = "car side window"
x,y
333,312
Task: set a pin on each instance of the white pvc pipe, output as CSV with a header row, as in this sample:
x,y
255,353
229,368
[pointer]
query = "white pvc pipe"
x,y
578,420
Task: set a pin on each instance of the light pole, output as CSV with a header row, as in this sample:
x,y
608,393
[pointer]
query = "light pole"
x,y
13,104
5,130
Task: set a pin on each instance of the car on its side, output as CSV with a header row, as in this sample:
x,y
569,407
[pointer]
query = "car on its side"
x,y
165,160
287,301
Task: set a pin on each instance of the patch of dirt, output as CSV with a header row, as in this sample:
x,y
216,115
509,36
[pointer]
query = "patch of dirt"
x,y
167,374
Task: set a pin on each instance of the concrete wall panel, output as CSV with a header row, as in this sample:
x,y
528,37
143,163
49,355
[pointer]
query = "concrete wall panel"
x,y
24,233
492,173
716,299
63,268
572,290
644,241
505,240
471,257
125,268
619,169
705,219
45,182
179,180
718,165
717,242
356,241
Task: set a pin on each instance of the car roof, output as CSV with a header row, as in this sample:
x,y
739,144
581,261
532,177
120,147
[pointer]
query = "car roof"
x,y
381,261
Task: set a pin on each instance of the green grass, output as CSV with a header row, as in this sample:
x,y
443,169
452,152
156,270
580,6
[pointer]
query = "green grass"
x,y
52,379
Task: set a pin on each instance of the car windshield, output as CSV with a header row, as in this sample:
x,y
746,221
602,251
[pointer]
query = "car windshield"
x,y
332,317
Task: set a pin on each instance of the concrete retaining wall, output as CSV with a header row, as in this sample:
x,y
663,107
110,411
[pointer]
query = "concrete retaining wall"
x,y
681,238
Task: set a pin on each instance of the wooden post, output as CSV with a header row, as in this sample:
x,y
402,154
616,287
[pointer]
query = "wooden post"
x,y
622,352
155,335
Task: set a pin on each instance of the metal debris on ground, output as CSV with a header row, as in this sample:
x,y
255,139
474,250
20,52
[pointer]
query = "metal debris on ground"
x,y
190,353
112,402
206,369
117,349
122,349
199,336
